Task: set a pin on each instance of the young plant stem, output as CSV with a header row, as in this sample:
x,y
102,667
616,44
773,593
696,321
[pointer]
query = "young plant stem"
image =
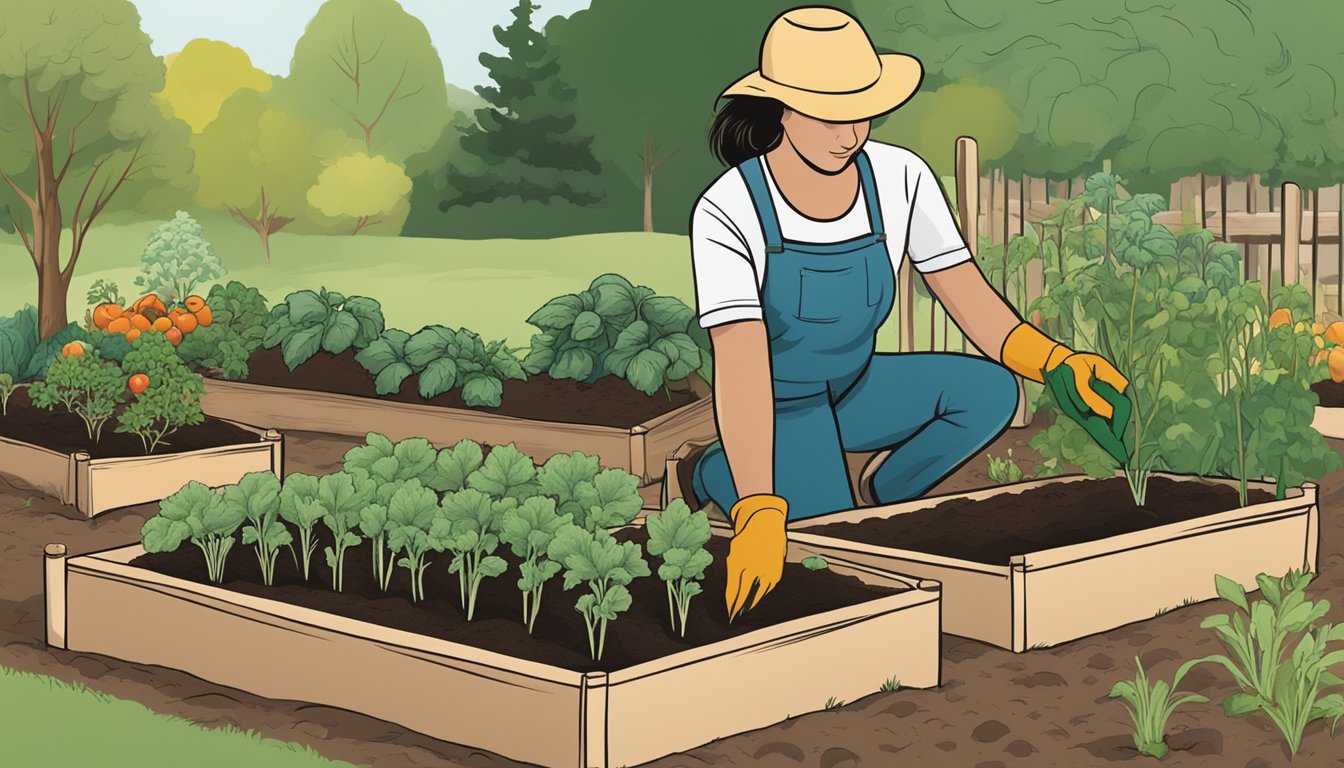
x,y
671,609
215,549
531,618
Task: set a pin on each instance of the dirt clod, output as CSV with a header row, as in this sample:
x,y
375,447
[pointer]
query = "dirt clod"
x,y
946,746
1101,661
782,748
839,757
989,731
1037,679
1020,748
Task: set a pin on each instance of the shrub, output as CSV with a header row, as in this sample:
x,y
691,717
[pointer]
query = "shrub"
x,y
1150,707
528,530
447,358
85,385
325,320
256,498
177,259
237,329
678,536
472,519
197,513
606,566
173,398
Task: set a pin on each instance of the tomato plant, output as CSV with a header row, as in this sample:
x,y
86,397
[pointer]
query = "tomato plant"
x,y
170,396
85,385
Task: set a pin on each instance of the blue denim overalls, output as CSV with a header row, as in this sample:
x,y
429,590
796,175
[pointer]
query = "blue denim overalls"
x,y
823,304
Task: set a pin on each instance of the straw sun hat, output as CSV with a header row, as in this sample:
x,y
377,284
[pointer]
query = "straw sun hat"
x,y
820,62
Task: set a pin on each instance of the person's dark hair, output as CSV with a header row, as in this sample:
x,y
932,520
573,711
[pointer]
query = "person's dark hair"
x,y
744,127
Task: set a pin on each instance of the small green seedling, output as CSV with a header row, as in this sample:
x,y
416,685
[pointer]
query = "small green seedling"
x,y
1150,707
7,390
343,498
833,703
678,536
815,563
300,507
256,498
606,566
891,684
416,527
1004,471
469,529
528,531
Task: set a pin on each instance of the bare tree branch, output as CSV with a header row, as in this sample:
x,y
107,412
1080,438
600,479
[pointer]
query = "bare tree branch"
x,y
32,204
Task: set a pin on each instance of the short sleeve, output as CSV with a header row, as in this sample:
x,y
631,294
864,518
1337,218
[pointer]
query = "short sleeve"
x,y
934,240
726,288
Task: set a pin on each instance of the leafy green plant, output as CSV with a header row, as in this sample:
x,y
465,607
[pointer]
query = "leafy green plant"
x,y
324,320
173,398
197,513
176,259
23,354
454,466
343,498
507,473
110,346
385,359
607,567
238,327
815,563
447,358
678,536
300,507
104,291
593,498
615,327
416,526
256,498
1003,471
384,461
528,530
375,526
7,390
1150,706
85,385
469,528
1278,655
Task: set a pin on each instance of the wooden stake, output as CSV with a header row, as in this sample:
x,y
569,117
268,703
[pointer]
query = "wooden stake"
x,y
1291,219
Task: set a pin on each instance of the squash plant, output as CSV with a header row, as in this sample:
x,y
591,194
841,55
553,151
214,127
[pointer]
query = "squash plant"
x,y
171,401
309,321
617,328
678,536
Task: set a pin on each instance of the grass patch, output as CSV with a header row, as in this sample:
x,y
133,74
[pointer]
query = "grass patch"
x,y
41,714
891,684
833,702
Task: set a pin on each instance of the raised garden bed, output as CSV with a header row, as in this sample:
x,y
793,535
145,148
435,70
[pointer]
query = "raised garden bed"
x,y
1329,418
840,633
1040,563
50,451
542,416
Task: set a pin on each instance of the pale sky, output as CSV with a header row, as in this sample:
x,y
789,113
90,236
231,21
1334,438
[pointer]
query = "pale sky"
x,y
268,29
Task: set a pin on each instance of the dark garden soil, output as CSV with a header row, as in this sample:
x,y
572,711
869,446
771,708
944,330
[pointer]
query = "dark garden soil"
x,y
994,530
62,431
608,402
639,635
995,709
1330,393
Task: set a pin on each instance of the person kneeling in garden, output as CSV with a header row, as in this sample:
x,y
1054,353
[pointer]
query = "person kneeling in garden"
x,y
795,251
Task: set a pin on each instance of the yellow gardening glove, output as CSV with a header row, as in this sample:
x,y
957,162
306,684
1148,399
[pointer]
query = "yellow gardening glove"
x,y
1028,353
756,553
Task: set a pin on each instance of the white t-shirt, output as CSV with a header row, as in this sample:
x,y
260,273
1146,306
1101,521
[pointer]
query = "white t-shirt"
x,y
728,246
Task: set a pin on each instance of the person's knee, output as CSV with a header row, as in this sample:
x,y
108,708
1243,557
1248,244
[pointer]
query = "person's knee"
x,y
1000,394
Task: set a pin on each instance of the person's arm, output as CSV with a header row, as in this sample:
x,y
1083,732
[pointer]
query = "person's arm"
x,y
744,404
938,250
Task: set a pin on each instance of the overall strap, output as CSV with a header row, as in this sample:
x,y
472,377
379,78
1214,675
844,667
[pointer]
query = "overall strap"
x,y
754,175
870,195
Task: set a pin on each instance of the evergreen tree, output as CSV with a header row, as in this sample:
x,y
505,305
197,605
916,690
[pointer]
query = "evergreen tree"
x,y
525,143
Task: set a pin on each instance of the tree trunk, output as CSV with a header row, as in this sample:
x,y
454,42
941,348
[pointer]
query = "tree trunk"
x,y
648,193
1315,243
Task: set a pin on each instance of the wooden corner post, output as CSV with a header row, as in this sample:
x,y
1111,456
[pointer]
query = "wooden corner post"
x,y
53,580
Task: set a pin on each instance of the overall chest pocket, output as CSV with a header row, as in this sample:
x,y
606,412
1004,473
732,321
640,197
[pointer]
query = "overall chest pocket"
x,y
827,295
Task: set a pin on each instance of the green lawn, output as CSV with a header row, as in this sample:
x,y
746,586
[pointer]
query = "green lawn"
x,y
489,286
49,722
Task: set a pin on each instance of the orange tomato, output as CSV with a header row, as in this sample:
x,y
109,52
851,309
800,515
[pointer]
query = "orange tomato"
x,y
150,301
185,322
133,334
1334,332
1280,317
104,314
74,348
1336,362
120,325
204,317
161,324
194,303
174,336
138,383
139,322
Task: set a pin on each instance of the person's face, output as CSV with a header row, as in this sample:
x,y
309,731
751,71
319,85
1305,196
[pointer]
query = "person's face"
x,y
827,147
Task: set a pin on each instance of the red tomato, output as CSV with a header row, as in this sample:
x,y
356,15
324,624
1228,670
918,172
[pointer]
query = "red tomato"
x,y
138,383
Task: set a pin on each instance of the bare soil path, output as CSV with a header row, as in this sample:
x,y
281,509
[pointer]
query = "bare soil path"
x,y
995,709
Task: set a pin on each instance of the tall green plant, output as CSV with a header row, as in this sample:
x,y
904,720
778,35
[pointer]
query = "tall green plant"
x,y
607,567
256,497
198,514
1150,706
528,531
678,536
470,530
